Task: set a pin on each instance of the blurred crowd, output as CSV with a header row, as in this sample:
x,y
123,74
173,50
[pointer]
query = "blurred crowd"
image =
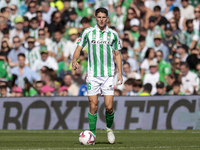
x,y
160,40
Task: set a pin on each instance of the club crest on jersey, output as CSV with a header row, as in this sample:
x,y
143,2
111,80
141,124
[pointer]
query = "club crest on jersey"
x,y
93,36
108,37
100,42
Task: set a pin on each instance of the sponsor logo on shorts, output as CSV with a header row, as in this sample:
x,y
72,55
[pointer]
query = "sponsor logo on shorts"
x,y
111,88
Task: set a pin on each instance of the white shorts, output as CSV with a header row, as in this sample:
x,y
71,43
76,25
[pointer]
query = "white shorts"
x,y
97,84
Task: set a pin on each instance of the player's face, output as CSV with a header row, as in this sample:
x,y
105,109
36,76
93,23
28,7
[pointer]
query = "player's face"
x,y
101,19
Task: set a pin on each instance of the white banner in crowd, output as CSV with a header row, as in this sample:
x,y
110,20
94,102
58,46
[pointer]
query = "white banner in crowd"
x,y
155,112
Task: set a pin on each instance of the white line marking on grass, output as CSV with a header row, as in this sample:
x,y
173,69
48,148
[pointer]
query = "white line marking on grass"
x,y
101,131
88,147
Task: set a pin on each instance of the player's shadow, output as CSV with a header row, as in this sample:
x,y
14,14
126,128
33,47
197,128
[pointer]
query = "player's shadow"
x,y
108,143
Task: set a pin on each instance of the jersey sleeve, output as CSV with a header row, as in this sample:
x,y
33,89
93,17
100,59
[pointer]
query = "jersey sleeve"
x,y
117,42
82,39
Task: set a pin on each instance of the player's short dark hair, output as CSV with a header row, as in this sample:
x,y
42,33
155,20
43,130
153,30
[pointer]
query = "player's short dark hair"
x,y
138,82
21,55
148,87
102,10
157,8
176,9
184,64
85,20
129,81
176,83
141,38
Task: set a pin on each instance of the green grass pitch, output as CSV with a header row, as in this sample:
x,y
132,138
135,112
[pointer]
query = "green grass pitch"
x,y
125,139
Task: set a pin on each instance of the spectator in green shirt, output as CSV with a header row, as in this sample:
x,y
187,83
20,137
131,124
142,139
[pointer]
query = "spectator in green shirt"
x,y
135,23
164,67
29,91
5,70
118,19
83,11
38,86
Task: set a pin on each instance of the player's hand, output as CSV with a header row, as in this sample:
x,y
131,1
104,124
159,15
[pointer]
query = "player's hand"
x,y
75,65
120,79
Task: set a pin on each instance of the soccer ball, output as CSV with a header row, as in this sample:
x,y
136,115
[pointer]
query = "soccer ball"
x,y
86,137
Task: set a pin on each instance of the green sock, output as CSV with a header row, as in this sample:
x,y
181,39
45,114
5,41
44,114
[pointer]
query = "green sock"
x,y
109,119
92,122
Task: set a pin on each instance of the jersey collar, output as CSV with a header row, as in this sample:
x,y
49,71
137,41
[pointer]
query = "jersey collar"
x,y
97,28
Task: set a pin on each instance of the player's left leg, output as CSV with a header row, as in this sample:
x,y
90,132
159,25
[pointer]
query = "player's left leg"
x,y
109,117
109,110
108,92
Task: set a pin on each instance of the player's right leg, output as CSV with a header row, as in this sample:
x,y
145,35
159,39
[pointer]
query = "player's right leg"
x,y
92,114
93,89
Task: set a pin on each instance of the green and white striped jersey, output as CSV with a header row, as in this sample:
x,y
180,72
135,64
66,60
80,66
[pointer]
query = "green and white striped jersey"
x,y
33,55
100,50
59,47
34,33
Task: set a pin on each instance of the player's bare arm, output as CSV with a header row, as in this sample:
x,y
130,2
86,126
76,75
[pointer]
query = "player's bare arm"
x,y
76,55
119,66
